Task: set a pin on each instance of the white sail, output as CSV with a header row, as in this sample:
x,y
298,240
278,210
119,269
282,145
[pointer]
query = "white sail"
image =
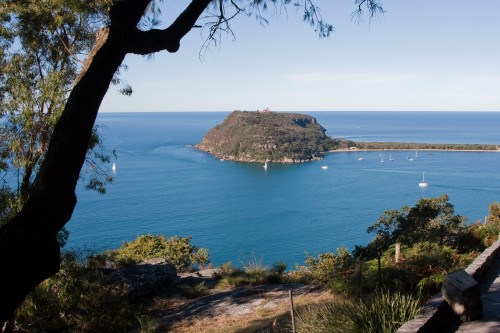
x,y
423,183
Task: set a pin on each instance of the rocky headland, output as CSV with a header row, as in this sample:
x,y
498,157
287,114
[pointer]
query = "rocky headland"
x,y
265,136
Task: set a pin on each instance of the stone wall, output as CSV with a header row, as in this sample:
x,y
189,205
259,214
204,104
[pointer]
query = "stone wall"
x,y
436,311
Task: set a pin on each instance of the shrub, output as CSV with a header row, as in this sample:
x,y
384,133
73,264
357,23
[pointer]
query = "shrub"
x,y
323,318
175,250
75,300
423,264
384,312
252,274
479,236
331,270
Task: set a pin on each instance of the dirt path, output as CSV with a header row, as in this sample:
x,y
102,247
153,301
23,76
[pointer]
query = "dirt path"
x,y
237,302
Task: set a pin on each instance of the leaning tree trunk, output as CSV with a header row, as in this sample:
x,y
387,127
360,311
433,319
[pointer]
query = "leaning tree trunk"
x,y
29,252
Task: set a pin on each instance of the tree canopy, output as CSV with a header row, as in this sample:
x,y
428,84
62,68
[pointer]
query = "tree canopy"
x,y
42,43
430,220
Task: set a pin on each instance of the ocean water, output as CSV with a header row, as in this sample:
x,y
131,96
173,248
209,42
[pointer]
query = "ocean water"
x,y
242,212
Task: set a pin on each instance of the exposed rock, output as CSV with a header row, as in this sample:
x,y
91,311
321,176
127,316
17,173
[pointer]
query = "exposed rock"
x,y
207,276
142,279
267,137
211,273
238,301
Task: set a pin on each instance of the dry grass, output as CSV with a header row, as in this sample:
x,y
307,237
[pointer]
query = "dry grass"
x,y
263,319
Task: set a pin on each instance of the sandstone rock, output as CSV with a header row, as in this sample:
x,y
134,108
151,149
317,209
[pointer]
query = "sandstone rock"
x,y
463,294
142,279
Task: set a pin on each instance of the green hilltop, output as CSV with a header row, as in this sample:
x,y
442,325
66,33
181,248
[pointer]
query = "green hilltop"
x,y
260,136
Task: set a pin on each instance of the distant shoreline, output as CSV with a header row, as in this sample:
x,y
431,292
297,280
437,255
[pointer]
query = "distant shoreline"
x,y
347,150
353,146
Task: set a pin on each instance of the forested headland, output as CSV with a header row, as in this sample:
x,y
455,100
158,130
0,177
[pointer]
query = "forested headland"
x,y
417,146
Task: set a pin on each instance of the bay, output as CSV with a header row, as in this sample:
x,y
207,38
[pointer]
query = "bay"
x,y
242,212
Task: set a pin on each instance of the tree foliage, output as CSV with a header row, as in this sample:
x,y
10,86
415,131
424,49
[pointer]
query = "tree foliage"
x,y
175,250
494,217
431,219
332,270
267,136
481,235
41,46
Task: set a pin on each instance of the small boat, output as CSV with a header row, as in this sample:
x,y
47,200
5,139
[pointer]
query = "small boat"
x,y
265,165
361,158
113,168
416,154
324,167
423,183
382,159
390,158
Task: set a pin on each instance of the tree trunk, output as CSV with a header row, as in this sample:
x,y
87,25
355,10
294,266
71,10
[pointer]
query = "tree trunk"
x,y
29,252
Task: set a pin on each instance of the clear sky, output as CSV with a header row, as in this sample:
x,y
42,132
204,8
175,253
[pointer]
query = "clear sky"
x,y
421,55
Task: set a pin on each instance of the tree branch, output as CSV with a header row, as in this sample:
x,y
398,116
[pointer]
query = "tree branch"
x,y
155,40
374,8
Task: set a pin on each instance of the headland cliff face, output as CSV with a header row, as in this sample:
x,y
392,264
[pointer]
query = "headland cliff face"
x,y
260,136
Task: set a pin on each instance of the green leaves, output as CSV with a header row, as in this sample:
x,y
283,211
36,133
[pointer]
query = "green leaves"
x,y
431,219
36,74
175,250
267,136
383,312
332,270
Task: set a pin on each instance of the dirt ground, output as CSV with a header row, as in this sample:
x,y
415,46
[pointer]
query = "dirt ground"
x,y
242,310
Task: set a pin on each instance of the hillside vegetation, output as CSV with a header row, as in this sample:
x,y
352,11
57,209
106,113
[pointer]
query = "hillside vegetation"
x,y
372,288
267,136
417,146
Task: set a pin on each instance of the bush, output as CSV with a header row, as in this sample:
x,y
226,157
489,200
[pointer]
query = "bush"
x,y
75,300
252,274
331,270
384,312
479,236
175,250
422,265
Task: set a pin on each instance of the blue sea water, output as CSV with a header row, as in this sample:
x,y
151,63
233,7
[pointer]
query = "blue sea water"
x,y
242,212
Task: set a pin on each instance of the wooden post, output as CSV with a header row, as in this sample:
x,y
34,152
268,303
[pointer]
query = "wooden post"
x,y
292,311
358,273
398,252
379,269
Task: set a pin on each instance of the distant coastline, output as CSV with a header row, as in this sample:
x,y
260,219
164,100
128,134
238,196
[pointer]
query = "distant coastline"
x,y
347,150
352,146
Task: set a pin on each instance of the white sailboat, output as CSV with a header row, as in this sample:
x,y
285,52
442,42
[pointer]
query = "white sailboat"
x,y
390,158
423,183
113,168
265,165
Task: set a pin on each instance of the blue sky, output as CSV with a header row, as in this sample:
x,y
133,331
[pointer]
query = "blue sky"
x,y
425,55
